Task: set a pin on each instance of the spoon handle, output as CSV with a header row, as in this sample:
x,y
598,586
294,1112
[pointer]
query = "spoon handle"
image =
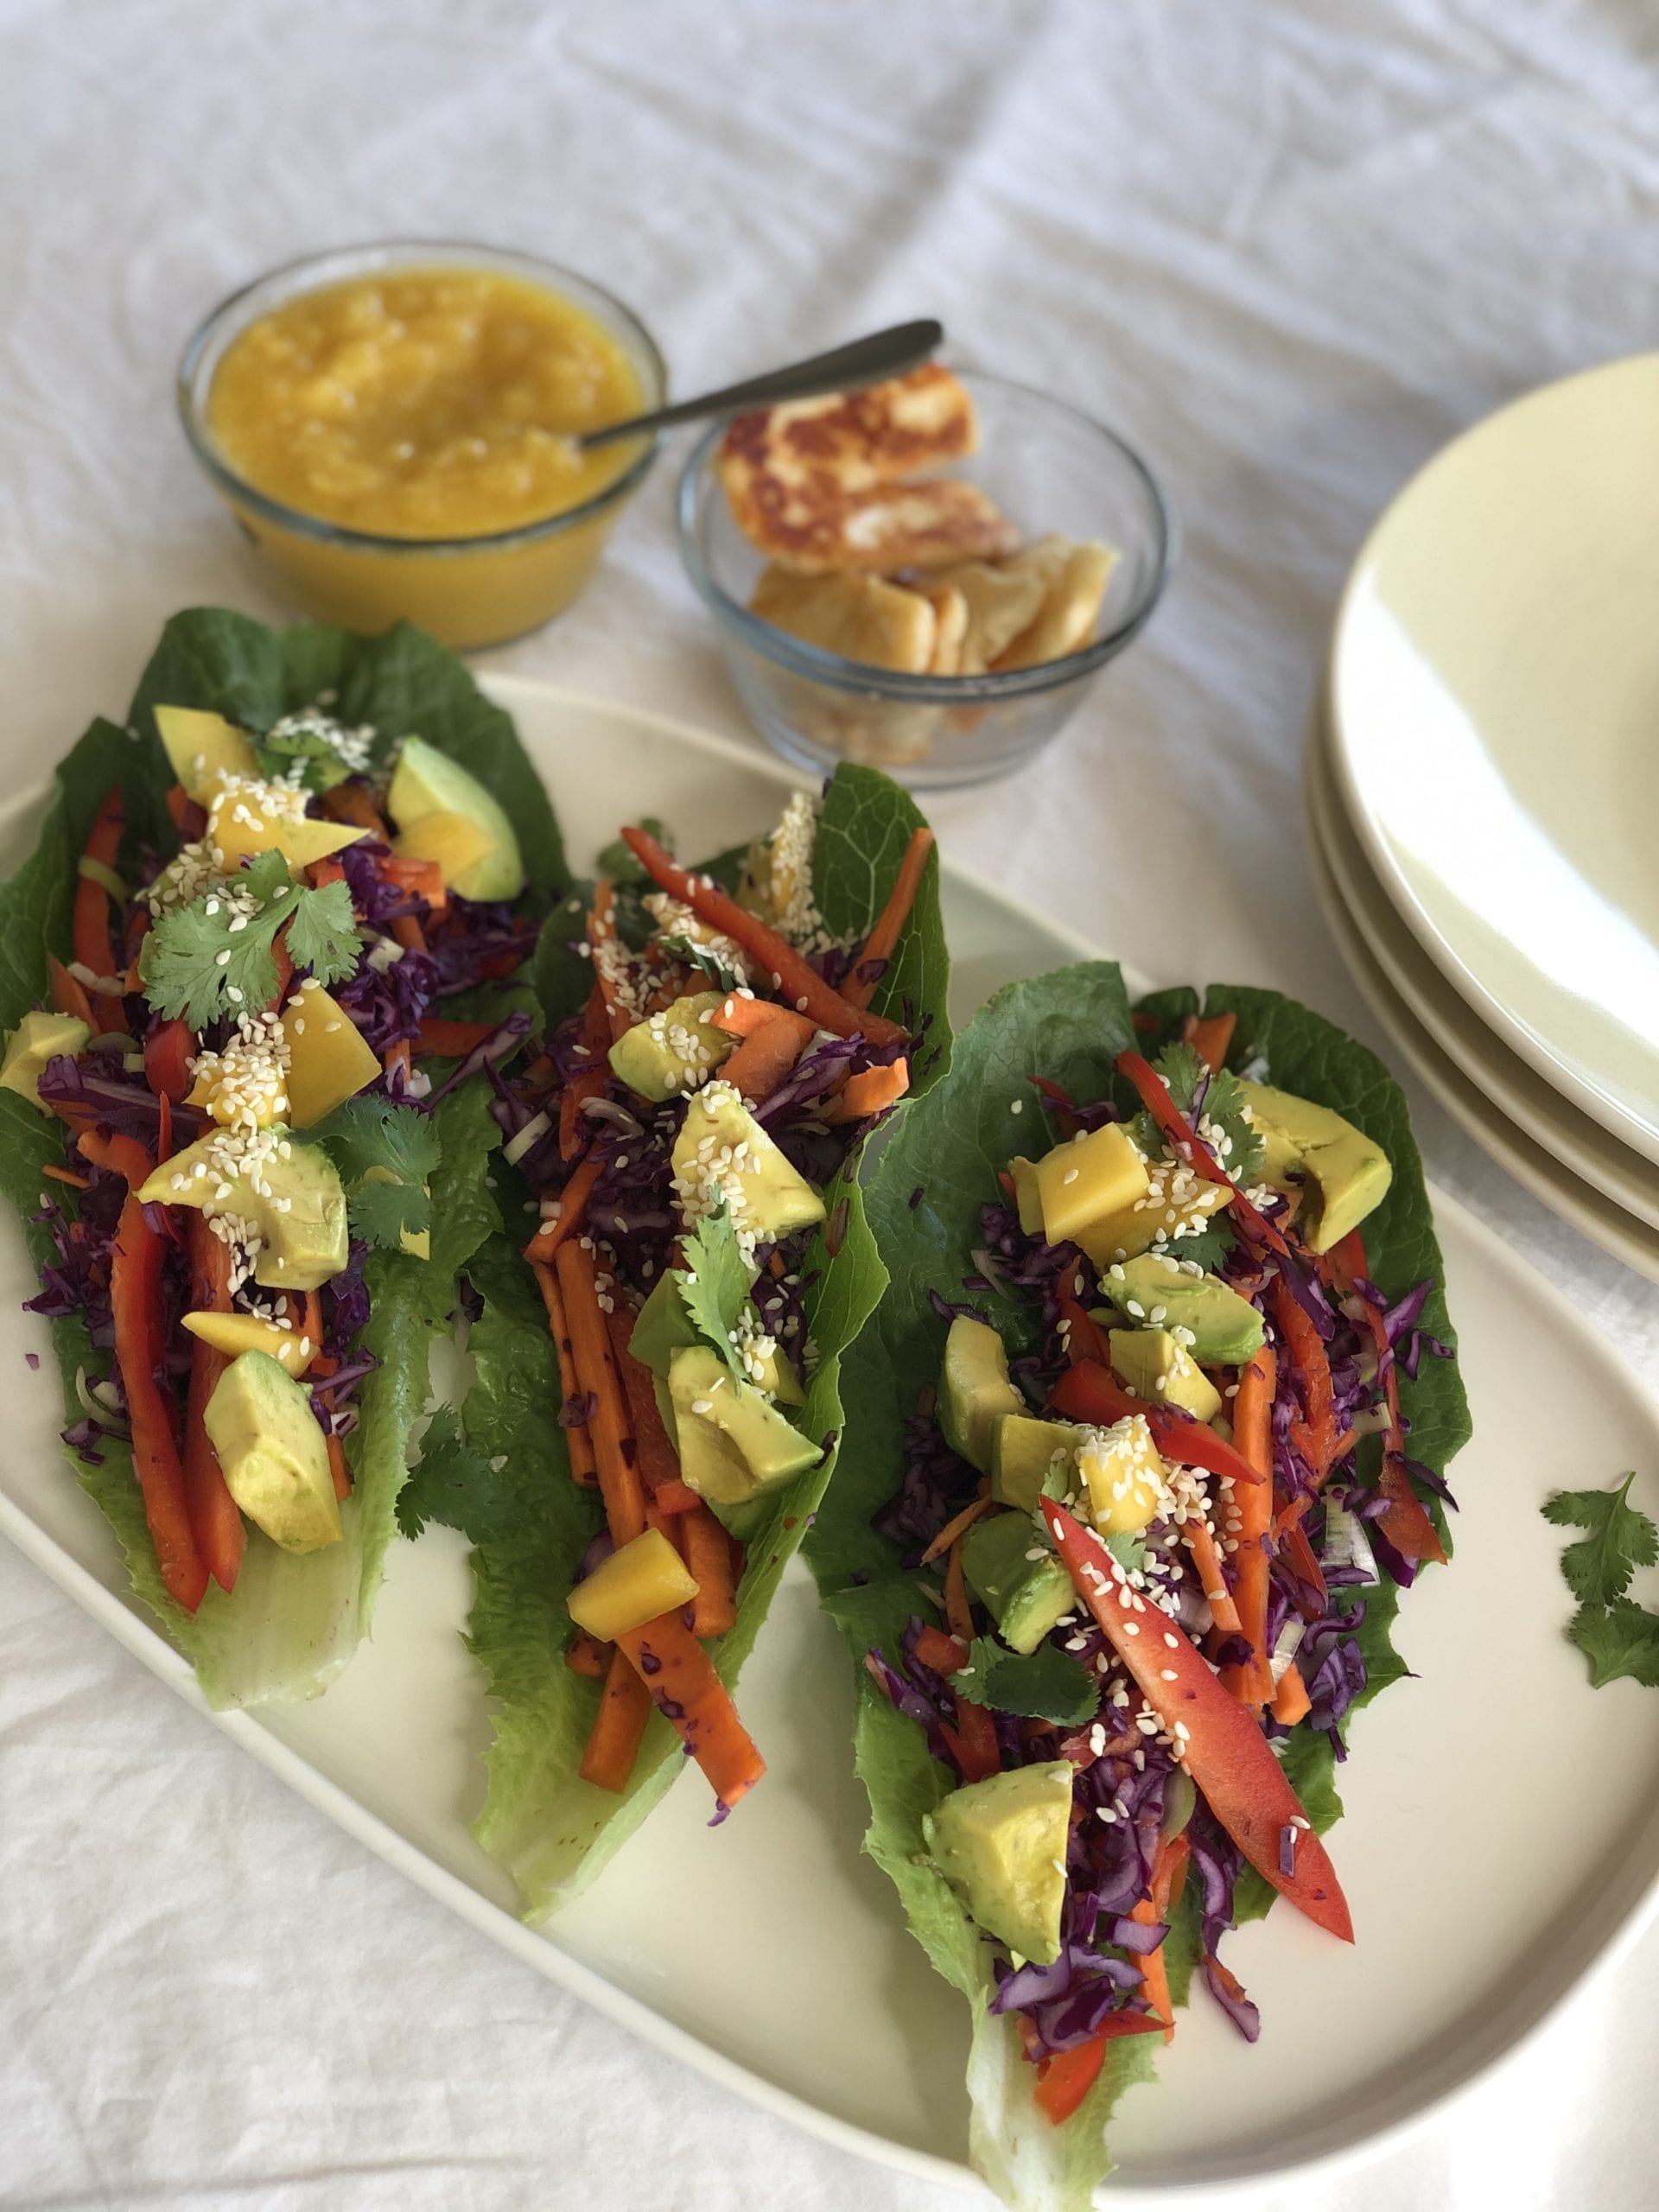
x,y
867,360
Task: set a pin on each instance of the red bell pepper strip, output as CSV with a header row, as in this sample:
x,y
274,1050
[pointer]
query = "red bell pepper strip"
x,y
452,1039
1084,1337
215,1519
168,1053
1230,1759
1306,1349
1154,1096
93,946
1089,1392
1065,2080
69,994
1304,1563
1406,1524
121,1155
136,1303
1168,1878
799,984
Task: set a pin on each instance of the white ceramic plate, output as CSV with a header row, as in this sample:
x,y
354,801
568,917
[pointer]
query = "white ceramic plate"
x,y
1579,1203
1495,720
770,1954
1589,1153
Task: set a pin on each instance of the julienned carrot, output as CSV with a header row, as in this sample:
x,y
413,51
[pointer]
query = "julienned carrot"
x,y
654,1454
136,1306
422,879
864,976
577,1442
675,1497
1291,1702
681,1679
67,1175
1209,1038
330,870
871,1091
613,1740
943,1653
743,1013
396,1056
797,982
1406,1524
1251,1683
69,994
958,1526
586,1654
573,1204
407,930
214,1519
1212,1580
339,1468
350,802
590,1083
709,1557
93,947
120,1156
608,1427
762,1061
1168,1870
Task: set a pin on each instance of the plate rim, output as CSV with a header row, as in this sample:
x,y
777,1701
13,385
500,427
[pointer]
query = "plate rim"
x,y
540,1948
1529,1045
1329,829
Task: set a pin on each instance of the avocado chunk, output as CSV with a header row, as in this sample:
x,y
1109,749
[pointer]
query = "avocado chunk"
x,y
722,1152
1339,1173
1026,1595
676,1050
299,1220
1158,1367
273,1452
1156,1291
753,1448
1124,1474
1000,1844
1085,1179
426,781
201,746
974,1390
37,1038
1027,1199
1176,1204
1024,1452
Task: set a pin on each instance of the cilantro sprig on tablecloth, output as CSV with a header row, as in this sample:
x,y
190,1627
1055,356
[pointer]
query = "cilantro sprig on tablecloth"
x,y
1616,1635
215,959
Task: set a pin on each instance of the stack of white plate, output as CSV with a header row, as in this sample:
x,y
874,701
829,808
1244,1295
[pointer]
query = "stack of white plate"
x,y
1483,792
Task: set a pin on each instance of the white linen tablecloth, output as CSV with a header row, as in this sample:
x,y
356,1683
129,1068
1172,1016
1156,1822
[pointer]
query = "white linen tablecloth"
x,y
1288,250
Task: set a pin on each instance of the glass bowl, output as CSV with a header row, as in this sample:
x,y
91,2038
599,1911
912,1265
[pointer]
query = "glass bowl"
x,y
1049,468
467,591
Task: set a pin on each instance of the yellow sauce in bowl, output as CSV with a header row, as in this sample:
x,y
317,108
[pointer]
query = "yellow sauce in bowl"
x,y
431,409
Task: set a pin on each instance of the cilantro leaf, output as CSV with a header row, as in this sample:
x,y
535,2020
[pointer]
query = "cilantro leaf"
x,y
454,1483
704,958
1599,1566
714,1280
323,935
1129,1551
1619,1639
1047,1684
1184,1071
385,1153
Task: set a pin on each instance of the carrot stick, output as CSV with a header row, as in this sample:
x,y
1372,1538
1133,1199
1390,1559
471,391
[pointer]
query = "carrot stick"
x,y
1252,1684
957,1611
871,1091
958,1526
408,932
742,1016
573,1204
762,1061
864,977
337,1466
330,870
613,1740
1212,1580
798,983
1209,1038
657,1459
585,1655
577,1441
590,1084
422,879
68,1175
1291,1702
607,1428
1169,1871
675,1497
69,994
682,1682
396,1056
708,1556
352,803
119,1155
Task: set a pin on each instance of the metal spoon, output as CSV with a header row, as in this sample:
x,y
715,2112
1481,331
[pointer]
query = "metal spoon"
x,y
867,360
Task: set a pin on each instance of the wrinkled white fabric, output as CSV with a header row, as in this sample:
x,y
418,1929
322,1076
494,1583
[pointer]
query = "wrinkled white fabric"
x,y
1288,250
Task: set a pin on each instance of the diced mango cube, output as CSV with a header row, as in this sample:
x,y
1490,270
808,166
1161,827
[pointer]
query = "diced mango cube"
x,y
645,1578
236,1333
1027,1199
328,1061
1124,1474
240,824
1176,1203
1082,1181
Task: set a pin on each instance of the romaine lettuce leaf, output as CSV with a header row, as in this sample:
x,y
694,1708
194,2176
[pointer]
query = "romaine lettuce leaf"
x,y
291,1624
936,1171
555,1831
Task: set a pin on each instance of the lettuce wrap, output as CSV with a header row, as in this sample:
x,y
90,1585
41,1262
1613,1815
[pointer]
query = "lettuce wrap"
x,y
423,992
1056,2039
690,1281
